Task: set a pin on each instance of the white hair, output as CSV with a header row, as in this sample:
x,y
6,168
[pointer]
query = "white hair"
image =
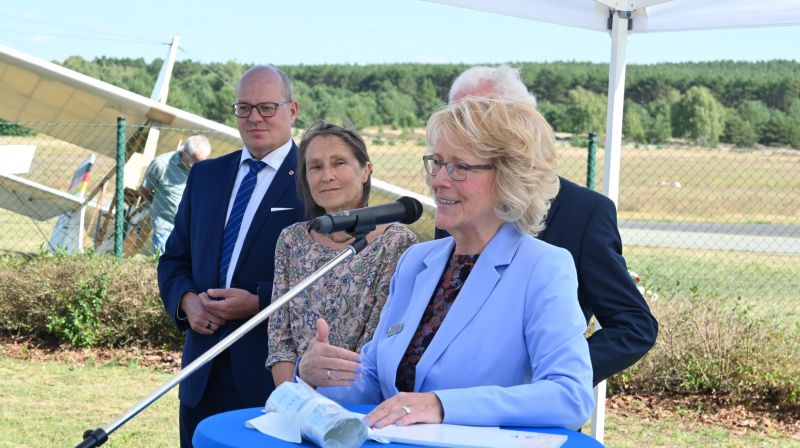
x,y
197,146
500,82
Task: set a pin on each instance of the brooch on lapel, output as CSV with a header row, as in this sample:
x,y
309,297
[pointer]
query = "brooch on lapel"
x,y
291,172
394,329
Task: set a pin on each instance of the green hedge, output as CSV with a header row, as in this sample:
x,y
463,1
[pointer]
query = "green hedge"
x,y
85,301
718,346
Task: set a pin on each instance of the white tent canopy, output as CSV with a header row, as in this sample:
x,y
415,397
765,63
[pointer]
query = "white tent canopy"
x,y
620,18
649,15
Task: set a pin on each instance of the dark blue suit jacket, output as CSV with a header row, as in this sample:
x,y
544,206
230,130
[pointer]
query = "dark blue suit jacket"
x,y
585,223
191,262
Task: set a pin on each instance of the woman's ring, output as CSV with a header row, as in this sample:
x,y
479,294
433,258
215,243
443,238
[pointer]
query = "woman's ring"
x,y
209,325
406,410
328,372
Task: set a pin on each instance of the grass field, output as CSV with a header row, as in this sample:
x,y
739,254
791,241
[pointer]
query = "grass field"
x,y
662,184
767,282
50,403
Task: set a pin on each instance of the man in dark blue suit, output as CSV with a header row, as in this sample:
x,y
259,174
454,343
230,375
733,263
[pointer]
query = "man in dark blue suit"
x,y
217,267
585,223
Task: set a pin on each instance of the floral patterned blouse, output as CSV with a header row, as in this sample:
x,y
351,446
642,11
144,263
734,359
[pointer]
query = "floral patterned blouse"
x,y
349,298
453,278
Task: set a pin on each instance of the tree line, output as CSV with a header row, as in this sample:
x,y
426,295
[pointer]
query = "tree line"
x,y
743,103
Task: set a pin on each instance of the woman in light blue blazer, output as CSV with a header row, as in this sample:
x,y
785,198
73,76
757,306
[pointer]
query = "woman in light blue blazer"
x,y
484,327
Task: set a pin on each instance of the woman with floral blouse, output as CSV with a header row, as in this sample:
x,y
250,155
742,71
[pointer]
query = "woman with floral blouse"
x,y
334,174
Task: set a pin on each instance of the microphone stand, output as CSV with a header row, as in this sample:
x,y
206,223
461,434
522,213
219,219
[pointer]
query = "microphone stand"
x,y
98,436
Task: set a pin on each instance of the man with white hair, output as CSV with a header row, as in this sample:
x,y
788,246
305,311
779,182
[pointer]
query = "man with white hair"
x,y
164,182
585,223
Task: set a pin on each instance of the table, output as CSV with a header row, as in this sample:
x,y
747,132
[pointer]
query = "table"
x,y
227,430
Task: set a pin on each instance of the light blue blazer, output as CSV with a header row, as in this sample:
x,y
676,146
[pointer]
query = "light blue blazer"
x,y
511,350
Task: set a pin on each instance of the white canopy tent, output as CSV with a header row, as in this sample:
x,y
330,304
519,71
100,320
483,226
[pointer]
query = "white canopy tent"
x,y
623,17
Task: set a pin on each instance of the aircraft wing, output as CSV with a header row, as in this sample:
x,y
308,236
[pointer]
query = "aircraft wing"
x,y
37,201
38,93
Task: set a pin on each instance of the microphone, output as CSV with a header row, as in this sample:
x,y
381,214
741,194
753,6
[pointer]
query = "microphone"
x,y
405,210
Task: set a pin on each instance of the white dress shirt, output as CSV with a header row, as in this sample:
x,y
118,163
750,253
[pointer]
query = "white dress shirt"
x,y
263,181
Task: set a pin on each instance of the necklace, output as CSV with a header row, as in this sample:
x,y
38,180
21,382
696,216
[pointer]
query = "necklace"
x,y
341,241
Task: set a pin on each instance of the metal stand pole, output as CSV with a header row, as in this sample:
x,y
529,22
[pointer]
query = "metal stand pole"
x,y
97,437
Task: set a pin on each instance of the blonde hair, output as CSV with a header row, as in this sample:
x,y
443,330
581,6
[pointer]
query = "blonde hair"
x,y
517,140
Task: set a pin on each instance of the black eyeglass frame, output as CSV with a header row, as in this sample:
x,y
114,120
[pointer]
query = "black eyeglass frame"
x,y
257,107
431,162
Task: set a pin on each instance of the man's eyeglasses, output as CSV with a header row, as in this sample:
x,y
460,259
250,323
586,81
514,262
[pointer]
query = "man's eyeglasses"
x,y
456,170
266,110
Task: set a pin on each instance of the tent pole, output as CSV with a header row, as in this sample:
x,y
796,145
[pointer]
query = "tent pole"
x,y
616,97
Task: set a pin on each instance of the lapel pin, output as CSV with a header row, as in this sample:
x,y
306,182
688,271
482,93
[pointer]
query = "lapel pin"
x,y
291,172
394,329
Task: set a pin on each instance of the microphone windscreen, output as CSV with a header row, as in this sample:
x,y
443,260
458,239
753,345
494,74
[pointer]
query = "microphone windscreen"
x,y
413,209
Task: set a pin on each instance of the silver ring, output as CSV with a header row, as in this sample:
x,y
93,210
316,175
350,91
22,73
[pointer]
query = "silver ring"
x,y
328,372
209,325
406,410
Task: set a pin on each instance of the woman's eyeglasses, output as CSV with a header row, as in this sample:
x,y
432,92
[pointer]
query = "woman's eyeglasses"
x,y
456,170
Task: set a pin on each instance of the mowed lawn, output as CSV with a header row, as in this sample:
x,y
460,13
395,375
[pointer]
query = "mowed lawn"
x,y
50,403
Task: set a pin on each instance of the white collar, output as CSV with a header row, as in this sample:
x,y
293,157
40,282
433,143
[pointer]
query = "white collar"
x,y
274,159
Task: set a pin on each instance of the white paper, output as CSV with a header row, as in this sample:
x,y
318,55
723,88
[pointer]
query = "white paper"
x,y
444,435
295,410
281,426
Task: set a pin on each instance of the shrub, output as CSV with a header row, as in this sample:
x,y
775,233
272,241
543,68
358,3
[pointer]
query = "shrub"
x,y
85,300
79,322
718,345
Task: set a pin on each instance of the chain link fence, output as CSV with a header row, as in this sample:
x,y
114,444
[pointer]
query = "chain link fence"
x,y
703,221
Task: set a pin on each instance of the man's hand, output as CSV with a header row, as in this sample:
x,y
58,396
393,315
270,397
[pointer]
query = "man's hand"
x,y
200,319
326,365
230,303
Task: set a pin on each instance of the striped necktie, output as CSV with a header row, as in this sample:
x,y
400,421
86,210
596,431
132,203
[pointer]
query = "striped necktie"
x,y
235,219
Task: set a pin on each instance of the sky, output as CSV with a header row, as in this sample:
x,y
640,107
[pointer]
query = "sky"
x,y
293,32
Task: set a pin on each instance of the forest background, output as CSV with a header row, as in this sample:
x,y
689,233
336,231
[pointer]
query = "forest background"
x,y
740,103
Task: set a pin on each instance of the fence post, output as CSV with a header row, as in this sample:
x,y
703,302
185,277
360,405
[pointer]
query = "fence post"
x,y
591,163
119,193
